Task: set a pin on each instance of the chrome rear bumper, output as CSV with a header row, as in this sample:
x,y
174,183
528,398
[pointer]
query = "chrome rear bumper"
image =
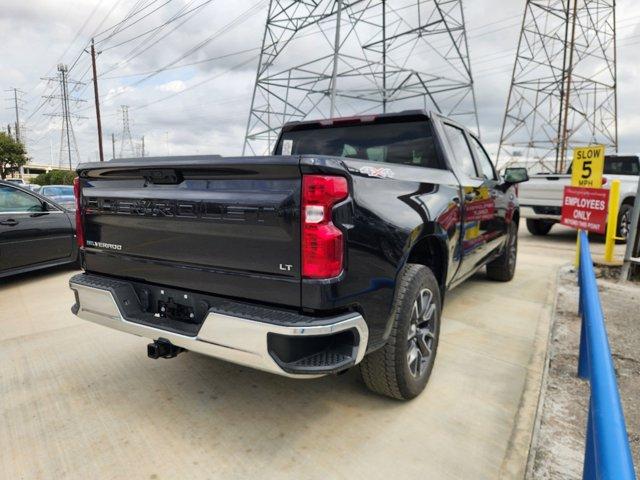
x,y
232,338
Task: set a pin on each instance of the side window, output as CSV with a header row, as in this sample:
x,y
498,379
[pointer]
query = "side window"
x,y
12,200
461,150
485,162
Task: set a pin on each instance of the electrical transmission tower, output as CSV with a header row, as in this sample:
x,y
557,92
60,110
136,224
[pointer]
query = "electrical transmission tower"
x,y
69,153
126,140
563,87
326,58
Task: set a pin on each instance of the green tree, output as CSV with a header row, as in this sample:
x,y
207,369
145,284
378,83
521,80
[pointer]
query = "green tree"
x,y
12,155
55,177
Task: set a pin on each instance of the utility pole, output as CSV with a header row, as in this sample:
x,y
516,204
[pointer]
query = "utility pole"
x,y
113,146
97,98
142,148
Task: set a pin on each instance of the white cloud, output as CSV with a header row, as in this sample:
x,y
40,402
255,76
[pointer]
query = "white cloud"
x,y
173,86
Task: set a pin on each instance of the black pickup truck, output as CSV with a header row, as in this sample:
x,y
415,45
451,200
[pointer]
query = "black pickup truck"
x,y
336,250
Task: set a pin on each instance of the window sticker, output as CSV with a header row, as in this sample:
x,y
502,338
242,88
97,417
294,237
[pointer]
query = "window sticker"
x,y
287,146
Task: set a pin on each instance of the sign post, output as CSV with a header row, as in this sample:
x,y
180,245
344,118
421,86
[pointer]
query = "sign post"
x,y
612,224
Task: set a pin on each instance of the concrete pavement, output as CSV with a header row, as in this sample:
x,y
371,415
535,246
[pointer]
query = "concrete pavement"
x,y
81,401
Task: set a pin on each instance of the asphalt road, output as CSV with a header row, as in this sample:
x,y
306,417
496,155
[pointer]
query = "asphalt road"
x,y
78,400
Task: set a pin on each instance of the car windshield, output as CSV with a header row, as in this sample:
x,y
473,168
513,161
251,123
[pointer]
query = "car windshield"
x,y
408,143
57,191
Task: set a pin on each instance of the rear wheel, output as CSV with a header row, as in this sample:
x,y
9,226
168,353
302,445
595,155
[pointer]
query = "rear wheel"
x,y
504,267
538,227
401,369
624,221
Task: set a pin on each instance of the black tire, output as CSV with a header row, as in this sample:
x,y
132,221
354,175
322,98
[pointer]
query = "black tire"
x,y
503,268
538,227
401,369
624,222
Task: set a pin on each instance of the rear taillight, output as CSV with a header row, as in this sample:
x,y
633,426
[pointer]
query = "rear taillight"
x,y
322,241
77,192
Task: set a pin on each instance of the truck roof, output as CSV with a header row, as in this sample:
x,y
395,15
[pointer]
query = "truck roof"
x,y
406,115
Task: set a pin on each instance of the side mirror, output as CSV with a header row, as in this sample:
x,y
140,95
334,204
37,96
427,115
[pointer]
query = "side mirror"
x,y
515,175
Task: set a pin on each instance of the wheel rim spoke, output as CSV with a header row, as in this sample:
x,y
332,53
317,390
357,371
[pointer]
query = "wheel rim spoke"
x,y
423,344
413,358
429,314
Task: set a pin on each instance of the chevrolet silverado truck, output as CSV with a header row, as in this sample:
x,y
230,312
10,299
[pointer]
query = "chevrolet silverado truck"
x,y
541,196
336,250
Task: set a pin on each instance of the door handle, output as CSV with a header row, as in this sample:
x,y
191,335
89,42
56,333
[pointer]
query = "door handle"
x,y
10,223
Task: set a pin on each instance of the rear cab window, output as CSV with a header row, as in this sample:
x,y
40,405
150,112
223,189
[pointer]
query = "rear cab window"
x,y
397,142
619,165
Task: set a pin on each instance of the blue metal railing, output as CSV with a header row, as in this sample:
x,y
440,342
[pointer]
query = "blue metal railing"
x,y
607,452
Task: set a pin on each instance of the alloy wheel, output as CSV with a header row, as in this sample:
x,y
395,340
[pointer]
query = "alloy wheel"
x,y
625,221
421,333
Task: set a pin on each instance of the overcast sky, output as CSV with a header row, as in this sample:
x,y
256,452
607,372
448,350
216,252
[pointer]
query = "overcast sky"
x,y
203,107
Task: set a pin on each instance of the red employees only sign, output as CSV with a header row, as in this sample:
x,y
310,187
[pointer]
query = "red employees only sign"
x,y
585,208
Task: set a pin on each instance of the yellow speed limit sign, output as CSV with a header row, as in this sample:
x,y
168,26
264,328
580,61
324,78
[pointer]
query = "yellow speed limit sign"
x,y
587,166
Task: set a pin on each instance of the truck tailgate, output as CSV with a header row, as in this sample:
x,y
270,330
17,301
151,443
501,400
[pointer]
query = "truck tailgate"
x,y
226,226
543,190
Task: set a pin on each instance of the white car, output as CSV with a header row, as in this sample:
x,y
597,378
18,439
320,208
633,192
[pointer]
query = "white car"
x,y
541,196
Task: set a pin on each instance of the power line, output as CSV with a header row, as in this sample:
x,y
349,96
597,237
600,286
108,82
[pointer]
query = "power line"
x,y
159,27
224,29
243,17
196,85
175,67
136,51
131,13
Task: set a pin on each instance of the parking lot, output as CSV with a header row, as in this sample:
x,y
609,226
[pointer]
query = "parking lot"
x,y
83,401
